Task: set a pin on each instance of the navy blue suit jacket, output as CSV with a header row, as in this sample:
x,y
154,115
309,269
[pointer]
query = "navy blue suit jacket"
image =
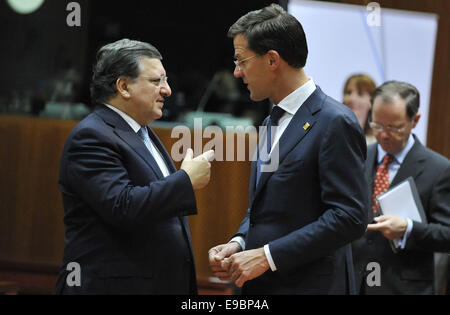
x,y
311,207
409,271
125,223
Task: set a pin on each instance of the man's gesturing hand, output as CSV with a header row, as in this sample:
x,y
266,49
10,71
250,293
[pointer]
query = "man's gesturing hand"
x,y
198,168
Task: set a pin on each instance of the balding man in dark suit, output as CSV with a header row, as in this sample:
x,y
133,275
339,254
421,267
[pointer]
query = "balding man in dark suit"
x,y
397,155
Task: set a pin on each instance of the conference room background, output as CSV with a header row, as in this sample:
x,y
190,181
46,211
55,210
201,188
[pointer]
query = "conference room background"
x,y
44,60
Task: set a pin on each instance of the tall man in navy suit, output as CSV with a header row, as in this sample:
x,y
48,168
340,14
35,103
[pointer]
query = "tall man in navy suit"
x,y
302,216
125,203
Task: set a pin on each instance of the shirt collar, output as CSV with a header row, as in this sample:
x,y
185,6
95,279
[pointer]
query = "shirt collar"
x,y
400,156
133,124
293,101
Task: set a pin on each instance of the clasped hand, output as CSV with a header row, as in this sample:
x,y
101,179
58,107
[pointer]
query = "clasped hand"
x,y
229,263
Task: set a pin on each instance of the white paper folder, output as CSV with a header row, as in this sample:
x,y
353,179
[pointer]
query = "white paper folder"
x,y
403,201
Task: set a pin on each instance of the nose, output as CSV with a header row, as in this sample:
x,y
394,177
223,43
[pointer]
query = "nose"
x,y
353,99
237,73
165,89
384,134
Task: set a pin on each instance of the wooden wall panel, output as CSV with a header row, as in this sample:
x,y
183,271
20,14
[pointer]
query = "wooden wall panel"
x,y
31,207
31,211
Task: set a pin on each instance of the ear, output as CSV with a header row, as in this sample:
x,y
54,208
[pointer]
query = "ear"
x,y
273,59
123,88
416,120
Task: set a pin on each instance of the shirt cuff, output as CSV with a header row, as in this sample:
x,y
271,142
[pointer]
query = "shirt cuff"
x,y
402,241
269,258
239,240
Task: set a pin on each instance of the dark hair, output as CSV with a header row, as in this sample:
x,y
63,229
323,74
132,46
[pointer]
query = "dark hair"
x,y
273,28
405,90
115,60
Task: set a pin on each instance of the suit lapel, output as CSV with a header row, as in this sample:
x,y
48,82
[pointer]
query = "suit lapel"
x,y
371,163
123,130
127,134
252,182
165,155
293,134
412,165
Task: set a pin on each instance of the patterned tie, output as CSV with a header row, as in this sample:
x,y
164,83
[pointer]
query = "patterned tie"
x,y
143,134
381,181
274,117
163,166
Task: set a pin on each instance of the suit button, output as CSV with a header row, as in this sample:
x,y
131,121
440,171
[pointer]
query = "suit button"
x,y
252,224
370,242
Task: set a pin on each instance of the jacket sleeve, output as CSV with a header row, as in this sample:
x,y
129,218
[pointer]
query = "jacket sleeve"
x,y
93,170
434,236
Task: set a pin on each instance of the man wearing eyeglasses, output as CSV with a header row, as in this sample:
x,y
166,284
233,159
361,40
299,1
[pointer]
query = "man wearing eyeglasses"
x,y
125,203
302,216
399,154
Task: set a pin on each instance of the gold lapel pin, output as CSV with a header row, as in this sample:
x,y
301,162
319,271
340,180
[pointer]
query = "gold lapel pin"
x,y
306,126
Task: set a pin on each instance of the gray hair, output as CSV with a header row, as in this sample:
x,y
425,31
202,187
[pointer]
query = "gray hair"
x,y
115,60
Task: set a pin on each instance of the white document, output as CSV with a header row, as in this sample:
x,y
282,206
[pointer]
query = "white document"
x,y
402,202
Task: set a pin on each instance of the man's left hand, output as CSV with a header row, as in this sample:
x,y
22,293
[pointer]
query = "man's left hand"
x,y
246,265
391,226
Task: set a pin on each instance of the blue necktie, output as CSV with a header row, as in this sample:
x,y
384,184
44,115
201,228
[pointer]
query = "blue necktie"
x,y
274,117
163,167
143,134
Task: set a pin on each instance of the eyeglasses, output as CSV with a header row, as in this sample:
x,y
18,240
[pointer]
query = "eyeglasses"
x,y
157,81
378,127
238,63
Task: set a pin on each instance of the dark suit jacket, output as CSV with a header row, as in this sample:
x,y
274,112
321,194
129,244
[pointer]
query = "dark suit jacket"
x,y
313,205
410,271
125,222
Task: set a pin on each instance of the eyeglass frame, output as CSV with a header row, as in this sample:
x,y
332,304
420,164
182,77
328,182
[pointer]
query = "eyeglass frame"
x,y
238,62
376,127
163,79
